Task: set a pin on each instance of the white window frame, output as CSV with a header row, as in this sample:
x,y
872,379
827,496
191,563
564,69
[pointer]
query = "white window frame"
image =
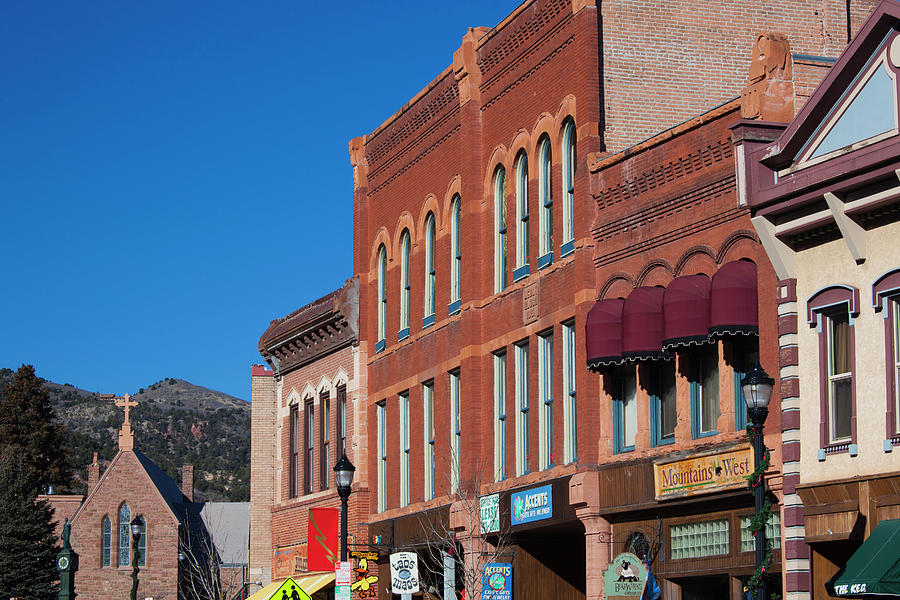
x,y
522,406
521,210
381,424
404,449
455,255
499,229
545,197
570,413
499,360
405,244
429,265
428,422
545,398
382,293
568,182
456,433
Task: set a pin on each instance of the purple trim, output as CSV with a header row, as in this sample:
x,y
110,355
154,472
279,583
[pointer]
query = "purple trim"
x,y
832,297
886,285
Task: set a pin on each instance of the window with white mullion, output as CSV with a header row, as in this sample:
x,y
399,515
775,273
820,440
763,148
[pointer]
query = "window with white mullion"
x,y
545,198
455,256
456,432
428,410
382,295
404,281
404,449
499,230
522,210
569,410
499,359
840,377
429,266
522,437
381,424
545,388
568,175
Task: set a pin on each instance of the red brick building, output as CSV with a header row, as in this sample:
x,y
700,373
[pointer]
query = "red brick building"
x,y
306,412
489,220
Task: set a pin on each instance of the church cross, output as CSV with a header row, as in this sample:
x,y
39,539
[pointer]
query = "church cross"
x,y
125,402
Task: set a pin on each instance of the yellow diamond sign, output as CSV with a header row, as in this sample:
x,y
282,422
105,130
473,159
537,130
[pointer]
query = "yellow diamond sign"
x,y
289,590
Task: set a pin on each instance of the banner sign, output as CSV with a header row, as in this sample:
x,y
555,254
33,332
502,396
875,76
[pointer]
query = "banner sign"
x,y
625,577
490,513
532,505
322,538
496,582
703,474
404,573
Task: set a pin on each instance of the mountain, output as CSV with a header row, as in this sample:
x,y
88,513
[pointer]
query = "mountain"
x,y
175,423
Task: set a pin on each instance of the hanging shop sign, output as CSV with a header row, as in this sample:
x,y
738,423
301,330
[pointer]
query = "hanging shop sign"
x,y
490,513
531,505
404,573
625,577
702,474
364,577
289,560
496,581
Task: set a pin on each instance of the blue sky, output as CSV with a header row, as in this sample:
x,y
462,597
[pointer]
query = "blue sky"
x,y
173,175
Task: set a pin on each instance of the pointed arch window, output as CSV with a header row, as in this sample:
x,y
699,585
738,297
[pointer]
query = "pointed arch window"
x,y
568,188
404,285
499,230
428,318
142,541
455,255
382,298
522,268
546,200
124,535
106,542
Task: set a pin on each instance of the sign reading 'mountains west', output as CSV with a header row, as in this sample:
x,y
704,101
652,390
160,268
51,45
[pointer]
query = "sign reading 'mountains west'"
x,y
703,474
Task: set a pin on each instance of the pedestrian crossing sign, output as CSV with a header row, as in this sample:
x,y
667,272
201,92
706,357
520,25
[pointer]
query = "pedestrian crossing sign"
x,y
289,590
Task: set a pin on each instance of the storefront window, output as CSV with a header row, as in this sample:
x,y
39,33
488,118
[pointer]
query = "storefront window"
x,y
773,533
625,412
695,540
705,392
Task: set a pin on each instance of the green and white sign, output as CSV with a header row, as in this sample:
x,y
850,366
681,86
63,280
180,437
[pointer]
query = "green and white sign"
x,y
490,513
625,577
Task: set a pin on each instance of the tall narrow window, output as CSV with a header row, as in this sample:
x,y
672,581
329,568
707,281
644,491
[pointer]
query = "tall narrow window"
x,y
124,536
294,421
625,411
499,230
105,542
341,434
545,387
428,319
522,404
895,322
381,426
309,432
745,356
428,420
546,202
382,298
455,255
404,285
404,449
840,377
705,391
663,413
570,412
325,461
142,541
568,188
455,433
522,268
499,415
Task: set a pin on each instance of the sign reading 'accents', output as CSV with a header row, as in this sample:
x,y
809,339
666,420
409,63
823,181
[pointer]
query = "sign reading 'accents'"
x,y
702,474
531,505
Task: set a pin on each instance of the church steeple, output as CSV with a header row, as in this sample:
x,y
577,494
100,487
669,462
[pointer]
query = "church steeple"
x,y
126,434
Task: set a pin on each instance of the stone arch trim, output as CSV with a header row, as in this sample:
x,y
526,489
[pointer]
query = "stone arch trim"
x,y
340,378
521,143
690,253
566,111
545,126
381,239
616,278
308,392
655,264
324,385
404,222
499,158
294,397
430,206
731,242
454,188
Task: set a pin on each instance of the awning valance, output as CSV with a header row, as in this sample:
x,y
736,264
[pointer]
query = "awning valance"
x,y
642,324
603,332
874,569
686,311
733,300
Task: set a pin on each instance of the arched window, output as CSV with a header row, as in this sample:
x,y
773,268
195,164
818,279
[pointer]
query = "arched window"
x,y
105,542
382,298
142,541
429,271
521,216
455,256
404,285
124,536
568,187
499,229
546,201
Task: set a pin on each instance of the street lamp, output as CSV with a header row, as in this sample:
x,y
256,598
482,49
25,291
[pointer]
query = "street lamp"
x,y
137,528
757,388
343,475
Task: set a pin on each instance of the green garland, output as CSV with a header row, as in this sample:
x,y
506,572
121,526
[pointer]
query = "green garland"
x,y
760,520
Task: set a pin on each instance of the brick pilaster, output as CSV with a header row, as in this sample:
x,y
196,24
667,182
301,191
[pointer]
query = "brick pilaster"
x,y
262,472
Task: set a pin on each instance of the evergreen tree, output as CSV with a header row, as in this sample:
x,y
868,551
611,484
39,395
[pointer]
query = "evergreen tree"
x,y
28,427
28,544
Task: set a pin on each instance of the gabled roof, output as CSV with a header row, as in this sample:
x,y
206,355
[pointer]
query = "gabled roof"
x,y
832,92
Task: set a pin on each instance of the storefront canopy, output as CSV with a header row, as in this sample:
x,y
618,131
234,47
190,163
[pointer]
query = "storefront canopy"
x,y
604,333
642,324
686,310
874,569
733,300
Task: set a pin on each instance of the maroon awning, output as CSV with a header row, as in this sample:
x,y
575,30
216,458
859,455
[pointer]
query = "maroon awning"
x,y
642,324
686,311
603,332
733,300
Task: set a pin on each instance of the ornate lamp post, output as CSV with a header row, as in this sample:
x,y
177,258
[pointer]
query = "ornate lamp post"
x,y
757,388
137,528
343,475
